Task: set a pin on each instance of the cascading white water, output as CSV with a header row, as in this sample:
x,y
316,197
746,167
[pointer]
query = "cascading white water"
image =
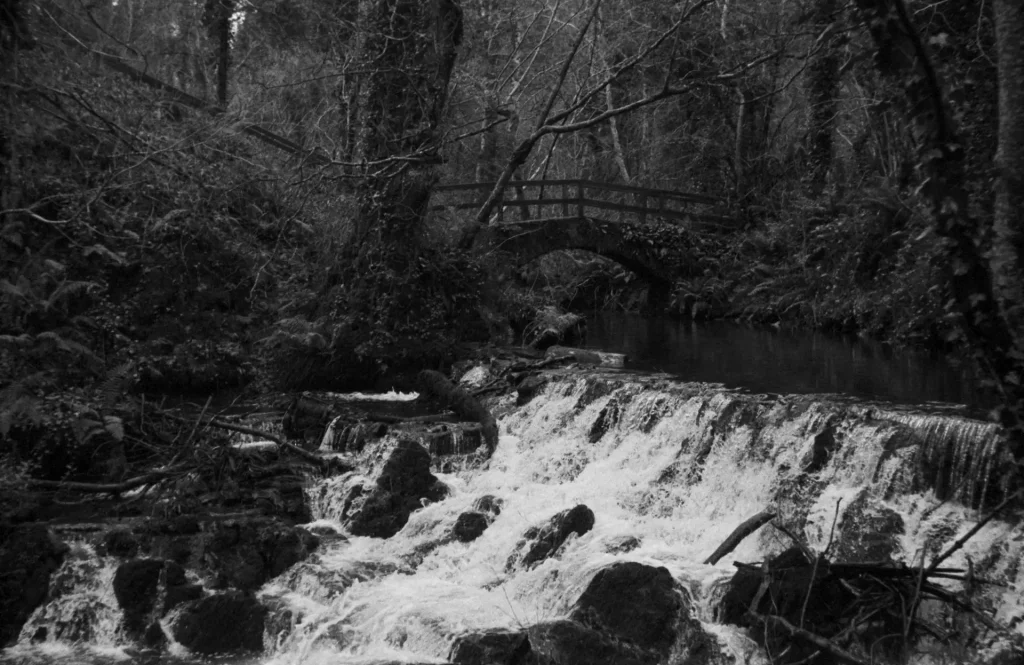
x,y
675,467
82,611
670,469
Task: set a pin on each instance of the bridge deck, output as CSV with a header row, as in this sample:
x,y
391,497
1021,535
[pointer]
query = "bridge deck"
x,y
576,198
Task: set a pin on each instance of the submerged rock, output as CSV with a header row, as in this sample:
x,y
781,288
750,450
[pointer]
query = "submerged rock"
x,y
222,623
404,484
28,557
622,544
539,543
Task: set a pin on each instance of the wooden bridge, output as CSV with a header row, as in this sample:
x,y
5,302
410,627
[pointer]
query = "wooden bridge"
x,y
554,200
649,231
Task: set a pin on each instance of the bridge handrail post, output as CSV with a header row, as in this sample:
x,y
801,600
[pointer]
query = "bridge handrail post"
x,y
565,200
579,200
641,202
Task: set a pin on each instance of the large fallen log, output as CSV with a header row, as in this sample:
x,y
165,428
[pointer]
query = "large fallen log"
x,y
108,488
282,443
459,400
739,533
587,356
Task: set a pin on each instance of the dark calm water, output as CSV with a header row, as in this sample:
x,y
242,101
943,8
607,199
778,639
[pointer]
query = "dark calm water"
x,y
784,361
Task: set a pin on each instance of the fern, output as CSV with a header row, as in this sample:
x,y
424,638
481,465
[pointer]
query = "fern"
x,y
68,289
18,401
117,381
114,426
105,252
66,345
19,290
303,339
86,429
296,326
22,340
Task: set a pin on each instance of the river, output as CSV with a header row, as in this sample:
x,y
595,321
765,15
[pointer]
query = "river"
x,y
785,361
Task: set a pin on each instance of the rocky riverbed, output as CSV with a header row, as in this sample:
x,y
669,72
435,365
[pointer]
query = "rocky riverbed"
x,y
593,533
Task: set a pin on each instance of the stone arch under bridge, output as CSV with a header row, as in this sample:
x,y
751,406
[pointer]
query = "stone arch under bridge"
x,y
658,254
648,231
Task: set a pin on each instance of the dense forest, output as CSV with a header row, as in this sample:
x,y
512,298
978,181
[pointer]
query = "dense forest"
x,y
208,195
213,211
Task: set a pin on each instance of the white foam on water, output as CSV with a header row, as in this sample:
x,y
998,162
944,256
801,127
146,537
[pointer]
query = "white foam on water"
x,y
390,396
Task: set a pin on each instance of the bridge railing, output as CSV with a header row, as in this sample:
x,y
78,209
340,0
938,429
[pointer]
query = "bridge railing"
x,y
545,200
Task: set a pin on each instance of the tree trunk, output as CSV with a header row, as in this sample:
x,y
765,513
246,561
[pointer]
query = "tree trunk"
x,y
1008,242
410,47
822,91
993,340
217,20
227,8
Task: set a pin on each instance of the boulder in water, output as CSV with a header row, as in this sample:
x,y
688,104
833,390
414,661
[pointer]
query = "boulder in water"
x,y
28,557
404,483
490,504
136,587
539,543
469,526
557,642
869,532
503,647
246,553
140,583
634,602
221,623
529,388
622,544
119,542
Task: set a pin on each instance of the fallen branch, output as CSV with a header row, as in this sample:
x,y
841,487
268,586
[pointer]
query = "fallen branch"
x,y
738,534
301,452
107,488
816,640
462,403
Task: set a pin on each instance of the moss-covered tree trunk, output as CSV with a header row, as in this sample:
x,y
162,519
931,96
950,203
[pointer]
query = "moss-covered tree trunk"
x,y
975,293
410,48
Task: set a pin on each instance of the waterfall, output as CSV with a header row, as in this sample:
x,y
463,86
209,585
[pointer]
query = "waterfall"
x,y
669,470
82,611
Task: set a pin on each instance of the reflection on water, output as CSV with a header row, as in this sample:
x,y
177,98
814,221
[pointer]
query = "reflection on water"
x,y
784,361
